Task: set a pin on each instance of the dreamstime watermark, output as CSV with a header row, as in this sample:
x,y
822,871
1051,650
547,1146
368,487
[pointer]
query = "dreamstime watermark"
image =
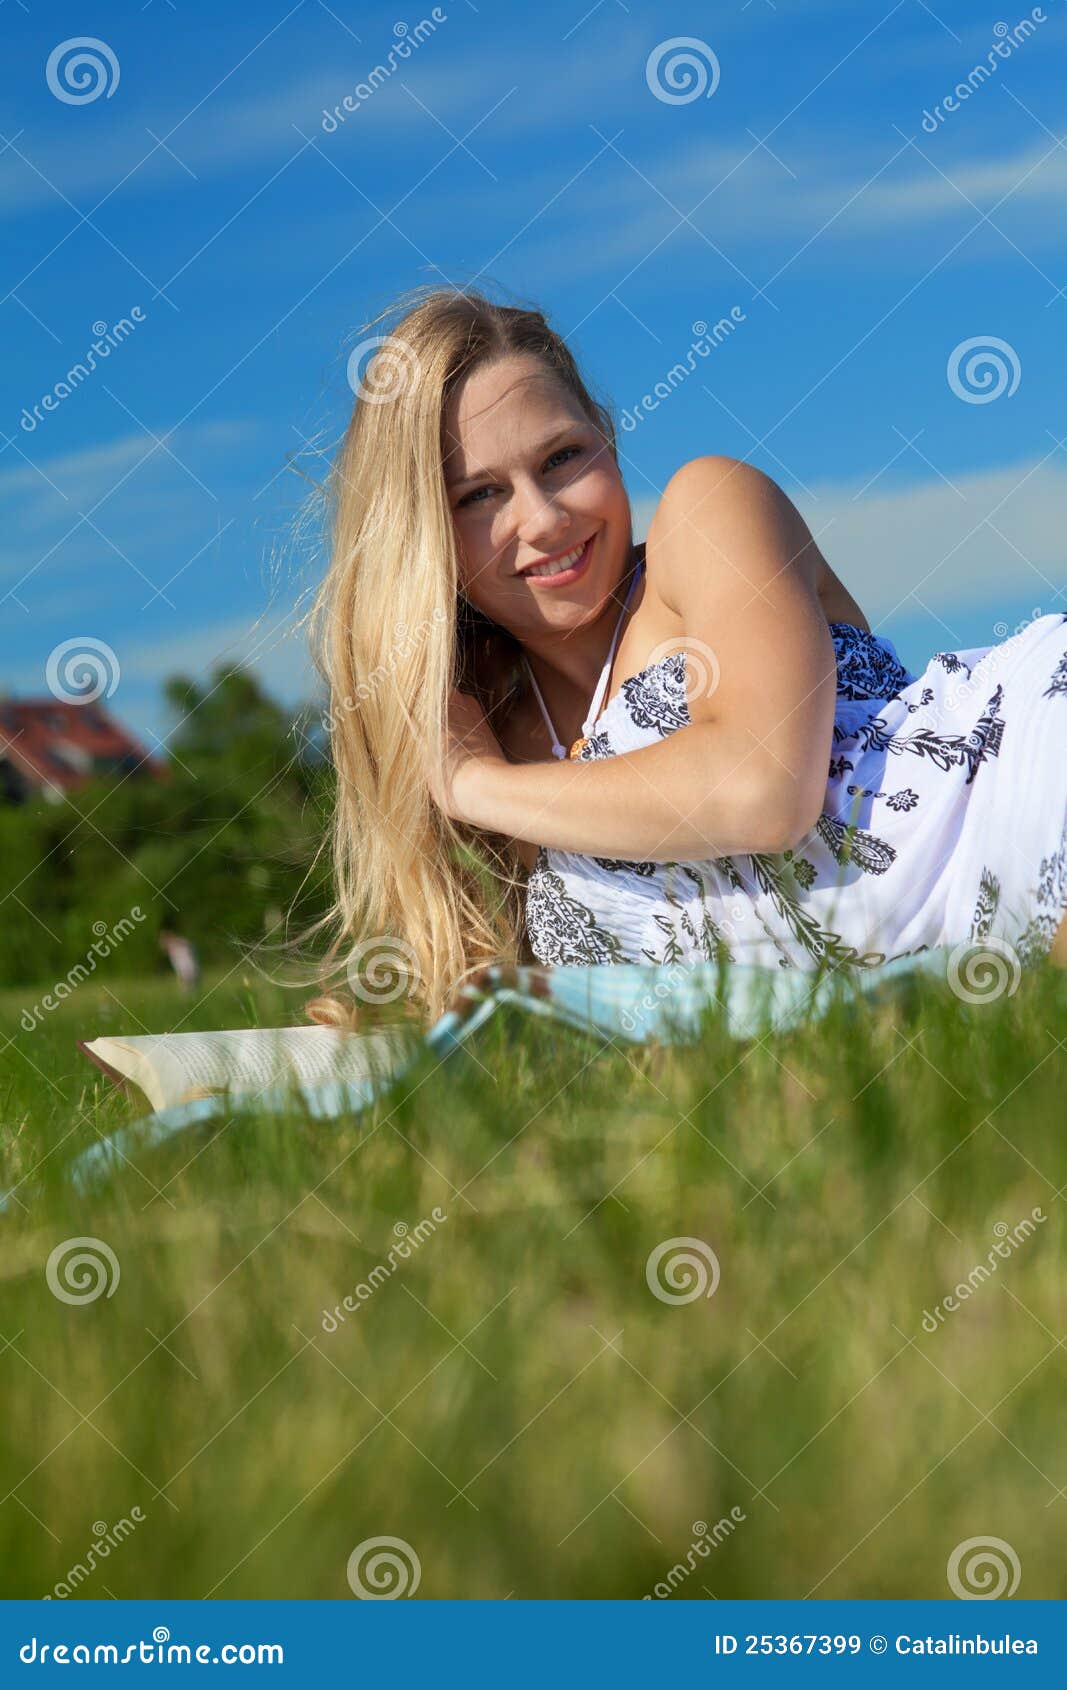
x,y
80,1270
106,1538
408,1240
100,948
701,347
100,348
1008,1241
406,43
716,933
402,646
636,1016
81,670
983,369
982,970
682,70
1003,48
383,1568
704,1541
689,1267
391,370
701,670
981,1569
144,1652
966,691
81,69
381,969
1003,632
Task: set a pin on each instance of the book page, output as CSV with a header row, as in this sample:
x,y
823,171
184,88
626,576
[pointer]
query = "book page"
x,y
249,1059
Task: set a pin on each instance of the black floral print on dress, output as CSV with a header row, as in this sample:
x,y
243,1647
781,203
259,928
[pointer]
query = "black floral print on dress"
x,y
985,803
865,668
1058,683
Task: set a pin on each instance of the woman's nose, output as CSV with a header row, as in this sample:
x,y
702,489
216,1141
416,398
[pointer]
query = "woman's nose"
x,y
538,516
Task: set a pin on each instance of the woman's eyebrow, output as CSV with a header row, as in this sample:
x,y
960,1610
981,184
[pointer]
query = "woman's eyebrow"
x,y
543,446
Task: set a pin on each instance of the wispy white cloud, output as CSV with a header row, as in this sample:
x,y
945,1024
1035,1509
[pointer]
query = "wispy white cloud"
x,y
231,130
90,470
991,537
631,206
270,644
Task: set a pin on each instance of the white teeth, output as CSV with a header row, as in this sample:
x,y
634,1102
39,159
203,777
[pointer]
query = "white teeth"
x,y
562,563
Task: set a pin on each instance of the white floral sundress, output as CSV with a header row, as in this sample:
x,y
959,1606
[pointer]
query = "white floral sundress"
x,y
945,820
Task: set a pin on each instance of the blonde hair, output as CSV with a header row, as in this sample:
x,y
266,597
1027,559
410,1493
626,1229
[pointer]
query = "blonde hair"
x,y
392,633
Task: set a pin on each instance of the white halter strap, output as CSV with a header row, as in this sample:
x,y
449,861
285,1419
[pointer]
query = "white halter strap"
x,y
559,750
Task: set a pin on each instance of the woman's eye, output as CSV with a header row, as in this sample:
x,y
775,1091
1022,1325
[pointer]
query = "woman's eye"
x,y
564,452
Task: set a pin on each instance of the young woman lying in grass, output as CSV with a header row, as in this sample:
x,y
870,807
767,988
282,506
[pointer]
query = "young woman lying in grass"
x,y
553,745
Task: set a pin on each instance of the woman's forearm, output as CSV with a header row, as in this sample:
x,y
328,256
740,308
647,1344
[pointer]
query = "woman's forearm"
x,y
698,794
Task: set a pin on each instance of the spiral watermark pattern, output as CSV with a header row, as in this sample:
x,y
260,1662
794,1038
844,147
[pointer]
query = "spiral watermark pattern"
x,y
982,970
701,669
689,1266
686,63
383,1568
981,1569
381,969
81,670
982,369
391,370
81,69
80,1270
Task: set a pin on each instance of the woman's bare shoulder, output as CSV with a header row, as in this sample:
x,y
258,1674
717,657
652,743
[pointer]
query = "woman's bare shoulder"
x,y
716,478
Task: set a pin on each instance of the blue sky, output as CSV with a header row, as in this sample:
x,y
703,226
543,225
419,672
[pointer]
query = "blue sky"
x,y
529,150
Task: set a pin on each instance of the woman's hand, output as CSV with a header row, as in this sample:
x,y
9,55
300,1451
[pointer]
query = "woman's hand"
x,y
471,745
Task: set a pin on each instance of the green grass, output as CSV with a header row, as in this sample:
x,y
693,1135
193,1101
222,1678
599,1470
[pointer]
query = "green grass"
x,y
513,1401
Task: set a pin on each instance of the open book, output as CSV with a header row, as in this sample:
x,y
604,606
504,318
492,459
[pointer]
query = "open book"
x,y
178,1067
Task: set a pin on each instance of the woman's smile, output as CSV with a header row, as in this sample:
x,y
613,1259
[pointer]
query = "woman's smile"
x,y
552,575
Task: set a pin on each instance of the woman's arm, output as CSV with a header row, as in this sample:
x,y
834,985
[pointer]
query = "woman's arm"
x,y
729,552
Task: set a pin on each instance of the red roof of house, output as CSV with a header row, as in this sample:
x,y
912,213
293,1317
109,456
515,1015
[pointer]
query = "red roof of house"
x,y
50,742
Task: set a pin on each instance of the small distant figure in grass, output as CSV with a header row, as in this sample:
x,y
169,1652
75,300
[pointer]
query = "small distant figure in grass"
x,y
183,959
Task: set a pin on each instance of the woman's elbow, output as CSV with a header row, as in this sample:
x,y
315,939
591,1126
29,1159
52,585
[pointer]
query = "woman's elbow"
x,y
785,815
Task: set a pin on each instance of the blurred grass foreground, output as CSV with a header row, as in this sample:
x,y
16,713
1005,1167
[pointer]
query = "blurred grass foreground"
x,y
781,1318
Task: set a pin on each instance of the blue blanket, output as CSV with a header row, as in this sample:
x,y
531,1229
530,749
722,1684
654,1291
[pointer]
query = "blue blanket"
x,y
619,1003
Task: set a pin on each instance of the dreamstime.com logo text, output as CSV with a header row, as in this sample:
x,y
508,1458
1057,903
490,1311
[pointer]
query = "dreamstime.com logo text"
x,y
1003,48
1008,1241
105,1539
971,690
100,948
705,343
402,646
106,340
704,1541
408,1240
648,1006
407,40
158,1650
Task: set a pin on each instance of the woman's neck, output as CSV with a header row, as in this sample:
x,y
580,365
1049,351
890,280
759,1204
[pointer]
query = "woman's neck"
x,y
569,665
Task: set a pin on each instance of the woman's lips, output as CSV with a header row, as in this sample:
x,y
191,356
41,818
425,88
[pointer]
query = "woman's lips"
x,y
565,576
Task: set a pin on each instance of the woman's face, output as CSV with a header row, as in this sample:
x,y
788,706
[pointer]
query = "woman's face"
x,y
530,479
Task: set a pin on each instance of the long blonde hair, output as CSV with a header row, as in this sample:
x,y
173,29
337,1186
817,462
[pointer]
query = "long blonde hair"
x,y
416,894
